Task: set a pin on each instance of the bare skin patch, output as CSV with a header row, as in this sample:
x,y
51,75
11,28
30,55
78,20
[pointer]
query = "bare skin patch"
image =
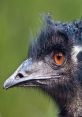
x,y
75,51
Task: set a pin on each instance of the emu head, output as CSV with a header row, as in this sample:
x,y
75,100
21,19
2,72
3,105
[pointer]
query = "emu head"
x,y
54,63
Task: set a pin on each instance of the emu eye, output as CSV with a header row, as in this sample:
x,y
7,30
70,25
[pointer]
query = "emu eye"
x,y
59,58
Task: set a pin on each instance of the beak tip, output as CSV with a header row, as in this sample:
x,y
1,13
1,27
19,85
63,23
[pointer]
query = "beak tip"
x,y
6,84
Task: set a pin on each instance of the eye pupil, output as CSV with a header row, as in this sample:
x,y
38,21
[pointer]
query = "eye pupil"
x,y
59,58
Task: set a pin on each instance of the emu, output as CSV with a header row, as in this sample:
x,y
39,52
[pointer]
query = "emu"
x,y
54,65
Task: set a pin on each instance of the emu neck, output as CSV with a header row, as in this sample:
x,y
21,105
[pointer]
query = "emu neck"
x,y
71,106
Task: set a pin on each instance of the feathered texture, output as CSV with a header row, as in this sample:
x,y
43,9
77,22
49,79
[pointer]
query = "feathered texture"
x,y
51,29
62,82
50,39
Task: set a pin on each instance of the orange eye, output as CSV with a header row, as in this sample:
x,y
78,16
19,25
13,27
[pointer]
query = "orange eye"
x,y
59,58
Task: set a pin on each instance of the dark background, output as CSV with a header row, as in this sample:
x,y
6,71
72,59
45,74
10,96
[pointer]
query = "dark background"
x,y
19,22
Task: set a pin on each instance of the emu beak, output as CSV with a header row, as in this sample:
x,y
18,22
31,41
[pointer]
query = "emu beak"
x,y
27,74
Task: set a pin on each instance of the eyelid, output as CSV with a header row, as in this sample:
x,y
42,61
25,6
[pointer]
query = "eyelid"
x,y
58,50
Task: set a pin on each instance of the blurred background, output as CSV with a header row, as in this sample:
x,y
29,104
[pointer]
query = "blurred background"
x,y
19,22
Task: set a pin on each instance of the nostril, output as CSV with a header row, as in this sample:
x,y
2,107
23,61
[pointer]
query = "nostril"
x,y
20,75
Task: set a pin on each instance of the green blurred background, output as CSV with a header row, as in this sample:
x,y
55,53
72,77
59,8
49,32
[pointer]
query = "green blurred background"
x,y
19,21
